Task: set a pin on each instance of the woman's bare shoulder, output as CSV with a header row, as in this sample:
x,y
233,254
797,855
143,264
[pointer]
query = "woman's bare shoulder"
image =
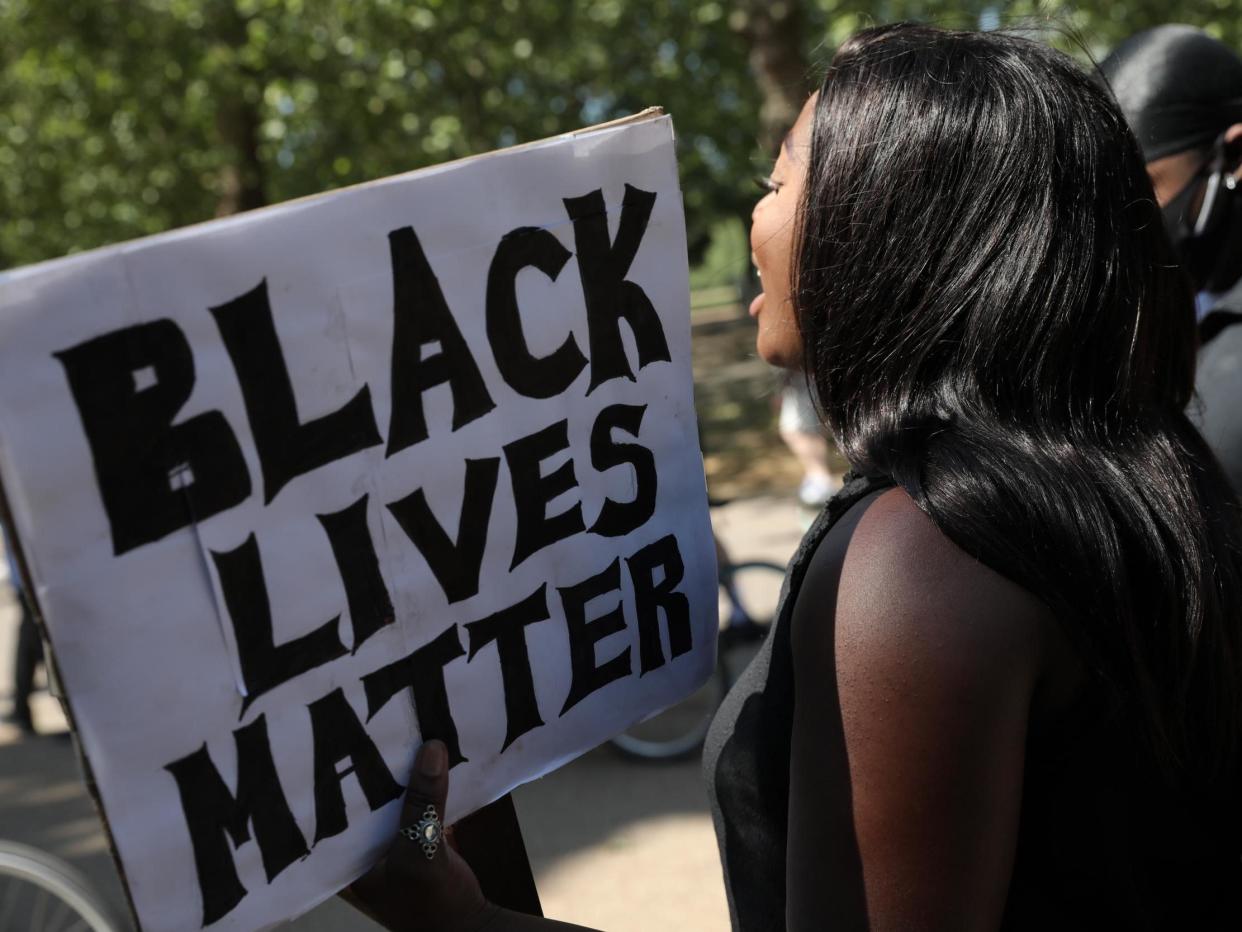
x,y
902,576
909,600
915,672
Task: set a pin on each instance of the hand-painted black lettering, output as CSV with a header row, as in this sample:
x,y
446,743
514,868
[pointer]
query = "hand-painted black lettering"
x,y
508,629
134,444
455,563
584,633
617,519
422,672
421,316
529,375
650,597
264,663
215,815
370,607
287,448
532,490
610,298
339,736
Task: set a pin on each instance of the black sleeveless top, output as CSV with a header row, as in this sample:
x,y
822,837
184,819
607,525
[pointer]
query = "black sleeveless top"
x,y
1101,844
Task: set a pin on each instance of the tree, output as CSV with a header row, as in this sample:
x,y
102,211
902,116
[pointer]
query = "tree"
x,y
123,119
1087,30
776,35
118,120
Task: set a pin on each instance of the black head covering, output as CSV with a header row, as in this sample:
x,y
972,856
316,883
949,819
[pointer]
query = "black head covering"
x,y
1178,87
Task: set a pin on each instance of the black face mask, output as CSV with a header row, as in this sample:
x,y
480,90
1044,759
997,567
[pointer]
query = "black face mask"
x,y
1209,240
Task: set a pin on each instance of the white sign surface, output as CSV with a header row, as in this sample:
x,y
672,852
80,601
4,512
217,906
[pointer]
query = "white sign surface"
x,y
300,488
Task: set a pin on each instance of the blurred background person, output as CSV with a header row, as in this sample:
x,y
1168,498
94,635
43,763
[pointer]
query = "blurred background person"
x,y
27,652
803,433
1181,91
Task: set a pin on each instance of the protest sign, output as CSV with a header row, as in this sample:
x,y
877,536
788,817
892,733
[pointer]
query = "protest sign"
x,y
300,488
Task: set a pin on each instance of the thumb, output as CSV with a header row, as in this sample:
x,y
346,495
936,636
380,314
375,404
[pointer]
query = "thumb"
x,y
422,811
421,883
417,853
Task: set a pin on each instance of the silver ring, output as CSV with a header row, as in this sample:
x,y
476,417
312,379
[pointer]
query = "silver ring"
x,y
427,832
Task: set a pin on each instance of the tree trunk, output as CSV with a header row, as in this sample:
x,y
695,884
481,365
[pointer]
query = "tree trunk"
x,y
238,96
774,33
241,180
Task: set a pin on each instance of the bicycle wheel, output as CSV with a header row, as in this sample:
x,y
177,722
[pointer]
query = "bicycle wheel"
x,y
41,893
754,587
748,595
679,730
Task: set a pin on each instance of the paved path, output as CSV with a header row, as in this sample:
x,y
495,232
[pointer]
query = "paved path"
x,y
616,845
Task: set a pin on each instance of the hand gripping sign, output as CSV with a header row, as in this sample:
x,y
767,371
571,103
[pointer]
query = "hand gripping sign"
x,y
301,488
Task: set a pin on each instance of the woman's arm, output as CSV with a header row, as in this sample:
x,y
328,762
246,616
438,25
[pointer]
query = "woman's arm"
x,y
914,679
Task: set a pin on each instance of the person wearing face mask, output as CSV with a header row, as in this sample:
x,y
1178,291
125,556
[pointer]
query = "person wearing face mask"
x,y
1181,92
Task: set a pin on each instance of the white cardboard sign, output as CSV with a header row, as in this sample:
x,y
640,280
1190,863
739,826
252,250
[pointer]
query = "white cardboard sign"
x,y
301,487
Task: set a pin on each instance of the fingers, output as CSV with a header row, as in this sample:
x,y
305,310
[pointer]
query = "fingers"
x,y
421,882
428,781
406,857
428,788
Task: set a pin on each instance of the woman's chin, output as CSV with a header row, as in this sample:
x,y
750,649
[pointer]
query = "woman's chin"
x,y
776,335
777,352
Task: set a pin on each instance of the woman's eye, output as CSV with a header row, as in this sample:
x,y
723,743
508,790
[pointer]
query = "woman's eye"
x,y
767,185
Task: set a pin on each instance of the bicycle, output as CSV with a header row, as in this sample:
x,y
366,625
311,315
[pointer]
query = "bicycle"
x,y
749,591
41,893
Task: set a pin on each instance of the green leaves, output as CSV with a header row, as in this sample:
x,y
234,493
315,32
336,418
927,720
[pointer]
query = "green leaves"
x,y
119,120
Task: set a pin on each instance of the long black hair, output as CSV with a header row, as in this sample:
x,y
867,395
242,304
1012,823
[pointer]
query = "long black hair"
x,y
993,317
